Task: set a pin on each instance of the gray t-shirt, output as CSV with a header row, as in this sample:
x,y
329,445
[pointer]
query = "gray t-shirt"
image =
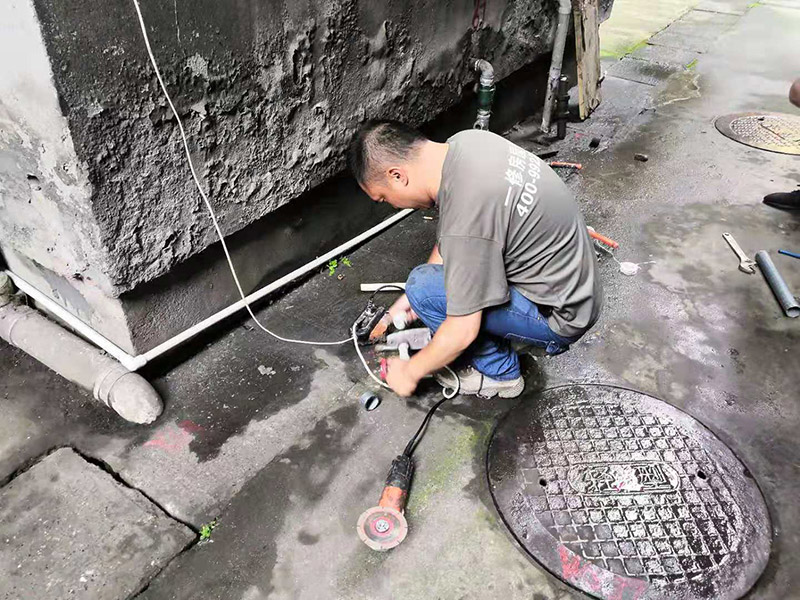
x,y
506,219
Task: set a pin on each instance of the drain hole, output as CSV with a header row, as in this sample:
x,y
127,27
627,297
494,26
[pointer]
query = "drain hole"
x,y
701,475
543,482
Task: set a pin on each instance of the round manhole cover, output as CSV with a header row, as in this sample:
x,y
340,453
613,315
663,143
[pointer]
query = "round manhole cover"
x,y
625,497
776,132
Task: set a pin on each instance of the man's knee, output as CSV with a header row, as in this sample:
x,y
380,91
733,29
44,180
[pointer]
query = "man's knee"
x,y
424,281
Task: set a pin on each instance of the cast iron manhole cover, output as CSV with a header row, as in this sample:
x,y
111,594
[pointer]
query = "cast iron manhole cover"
x,y
625,497
776,132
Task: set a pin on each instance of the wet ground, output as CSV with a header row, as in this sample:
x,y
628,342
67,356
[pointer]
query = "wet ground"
x,y
269,438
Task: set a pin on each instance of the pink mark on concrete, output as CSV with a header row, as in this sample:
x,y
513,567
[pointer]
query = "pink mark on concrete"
x,y
174,439
190,426
591,578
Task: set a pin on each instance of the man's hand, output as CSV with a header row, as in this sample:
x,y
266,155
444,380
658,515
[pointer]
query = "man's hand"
x,y
400,378
403,307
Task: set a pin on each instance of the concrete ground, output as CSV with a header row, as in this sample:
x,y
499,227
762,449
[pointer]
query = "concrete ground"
x,y
269,440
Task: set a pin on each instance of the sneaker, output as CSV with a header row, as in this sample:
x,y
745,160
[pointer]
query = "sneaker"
x,y
473,382
784,200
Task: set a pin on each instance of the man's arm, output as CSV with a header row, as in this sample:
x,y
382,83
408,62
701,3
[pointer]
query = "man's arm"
x,y
453,337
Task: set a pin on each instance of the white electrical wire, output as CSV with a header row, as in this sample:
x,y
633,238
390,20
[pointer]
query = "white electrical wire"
x,y
213,216
205,198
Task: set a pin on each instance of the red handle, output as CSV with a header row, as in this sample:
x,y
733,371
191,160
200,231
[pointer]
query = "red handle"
x,y
601,238
384,368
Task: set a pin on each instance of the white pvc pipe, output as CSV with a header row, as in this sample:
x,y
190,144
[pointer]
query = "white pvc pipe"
x,y
133,363
129,362
374,287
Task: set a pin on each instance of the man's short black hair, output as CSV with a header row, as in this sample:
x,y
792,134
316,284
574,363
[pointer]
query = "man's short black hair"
x,y
378,142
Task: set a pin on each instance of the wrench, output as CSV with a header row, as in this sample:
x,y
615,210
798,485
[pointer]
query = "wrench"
x,y
745,264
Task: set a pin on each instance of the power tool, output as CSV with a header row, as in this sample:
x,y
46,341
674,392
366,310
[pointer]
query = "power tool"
x,y
384,526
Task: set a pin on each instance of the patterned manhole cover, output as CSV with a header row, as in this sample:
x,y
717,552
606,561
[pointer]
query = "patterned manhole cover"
x,y
776,132
626,497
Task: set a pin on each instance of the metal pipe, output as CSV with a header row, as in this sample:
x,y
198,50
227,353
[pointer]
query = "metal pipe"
x,y
128,394
562,114
787,301
136,362
560,42
485,92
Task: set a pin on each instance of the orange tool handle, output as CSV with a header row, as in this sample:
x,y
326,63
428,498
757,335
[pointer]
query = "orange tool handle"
x,y
601,238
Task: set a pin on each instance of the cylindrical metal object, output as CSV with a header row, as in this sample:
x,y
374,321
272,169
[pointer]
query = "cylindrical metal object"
x,y
560,42
789,253
129,394
785,297
562,114
369,401
485,93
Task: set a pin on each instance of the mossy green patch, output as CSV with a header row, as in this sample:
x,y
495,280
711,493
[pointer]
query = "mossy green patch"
x,y
691,65
446,466
622,50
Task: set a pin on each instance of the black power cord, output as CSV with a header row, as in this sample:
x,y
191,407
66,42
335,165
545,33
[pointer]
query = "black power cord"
x,y
414,441
417,437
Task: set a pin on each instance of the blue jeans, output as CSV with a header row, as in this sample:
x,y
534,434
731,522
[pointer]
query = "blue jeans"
x,y
491,353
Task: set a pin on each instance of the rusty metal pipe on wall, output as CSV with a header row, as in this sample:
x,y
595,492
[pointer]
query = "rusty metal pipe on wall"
x,y
564,12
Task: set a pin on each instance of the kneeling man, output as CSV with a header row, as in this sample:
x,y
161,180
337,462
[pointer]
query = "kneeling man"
x,y
513,263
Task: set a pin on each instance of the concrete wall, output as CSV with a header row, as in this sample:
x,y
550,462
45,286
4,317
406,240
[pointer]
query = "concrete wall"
x,y
48,232
269,91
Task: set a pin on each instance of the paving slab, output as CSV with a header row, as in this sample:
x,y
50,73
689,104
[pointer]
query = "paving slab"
x,y
697,30
664,55
630,25
731,7
642,71
69,530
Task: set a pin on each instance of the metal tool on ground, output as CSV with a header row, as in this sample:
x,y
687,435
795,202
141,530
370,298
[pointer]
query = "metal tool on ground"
x,y
785,297
556,164
789,253
606,241
384,526
745,264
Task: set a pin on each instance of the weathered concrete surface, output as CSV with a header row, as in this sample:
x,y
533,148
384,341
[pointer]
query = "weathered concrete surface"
x,y
629,26
70,531
287,462
48,232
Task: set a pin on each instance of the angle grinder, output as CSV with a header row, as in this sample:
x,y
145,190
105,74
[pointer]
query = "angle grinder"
x,y
383,527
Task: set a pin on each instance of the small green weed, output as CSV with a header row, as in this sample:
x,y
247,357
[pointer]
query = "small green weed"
x,y
333,264
205,530
692,64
